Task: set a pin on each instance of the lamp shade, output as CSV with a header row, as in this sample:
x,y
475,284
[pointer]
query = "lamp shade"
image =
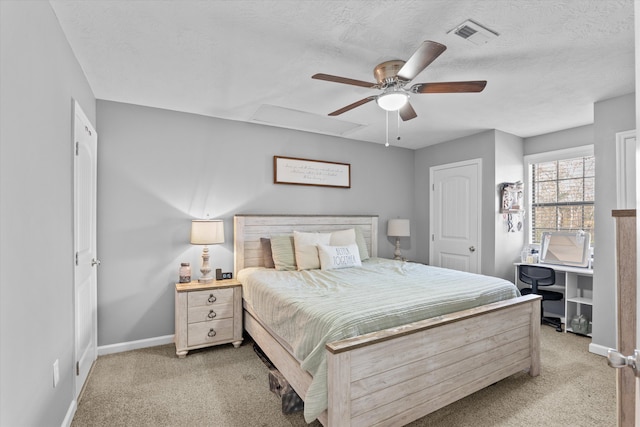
x,y
398,228
207,231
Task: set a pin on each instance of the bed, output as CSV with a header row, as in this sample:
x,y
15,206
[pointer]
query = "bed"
x,y
397,374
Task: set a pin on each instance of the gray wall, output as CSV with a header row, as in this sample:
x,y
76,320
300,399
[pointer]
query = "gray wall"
x,y
509,168
496,168
39,76
568,138
611,116
158,169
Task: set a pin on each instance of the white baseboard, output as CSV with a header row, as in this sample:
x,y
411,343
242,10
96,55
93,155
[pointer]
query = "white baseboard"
x,y
70,413
598,349
134,345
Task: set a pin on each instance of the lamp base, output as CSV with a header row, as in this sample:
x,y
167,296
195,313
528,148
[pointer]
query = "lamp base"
x,y
397,254
206,268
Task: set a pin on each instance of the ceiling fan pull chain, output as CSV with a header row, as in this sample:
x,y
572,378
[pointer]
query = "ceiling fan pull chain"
x,y
398,134
387,132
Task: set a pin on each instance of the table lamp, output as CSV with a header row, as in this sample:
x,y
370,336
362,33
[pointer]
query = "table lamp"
x,y
206,232
398,228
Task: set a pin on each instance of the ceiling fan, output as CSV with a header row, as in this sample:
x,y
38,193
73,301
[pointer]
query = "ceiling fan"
x,y
393,76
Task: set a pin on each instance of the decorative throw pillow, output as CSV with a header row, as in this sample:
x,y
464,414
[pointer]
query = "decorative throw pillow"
x,y
343,237
362,245
266,252
348,237
283,253
305,247
333,257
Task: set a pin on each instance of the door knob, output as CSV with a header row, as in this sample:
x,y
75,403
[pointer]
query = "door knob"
x,y
472,248
617,360
95,261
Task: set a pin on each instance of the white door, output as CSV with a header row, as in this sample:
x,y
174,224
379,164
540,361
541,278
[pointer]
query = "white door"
x,y
455,200
626,169
85,278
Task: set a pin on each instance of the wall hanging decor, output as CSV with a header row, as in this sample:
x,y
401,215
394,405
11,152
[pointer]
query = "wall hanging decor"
x,y
511,205
291,170
511,197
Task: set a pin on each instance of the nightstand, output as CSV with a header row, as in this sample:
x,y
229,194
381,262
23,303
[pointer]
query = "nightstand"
x,y
208,314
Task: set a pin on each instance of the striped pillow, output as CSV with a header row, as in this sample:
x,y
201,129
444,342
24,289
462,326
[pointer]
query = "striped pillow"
x,y
282,252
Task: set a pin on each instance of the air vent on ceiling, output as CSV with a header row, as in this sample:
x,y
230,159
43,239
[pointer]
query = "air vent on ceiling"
x,y
473,32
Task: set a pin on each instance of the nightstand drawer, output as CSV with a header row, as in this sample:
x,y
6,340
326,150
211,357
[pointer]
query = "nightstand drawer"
x,y
210,297
210,332
209,313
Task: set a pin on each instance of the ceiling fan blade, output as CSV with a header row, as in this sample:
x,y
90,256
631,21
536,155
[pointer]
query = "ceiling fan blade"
x,y
407,112
344,80
425,55
449,87
352,106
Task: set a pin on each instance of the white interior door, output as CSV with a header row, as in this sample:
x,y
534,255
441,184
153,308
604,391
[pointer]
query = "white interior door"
x,y
455,200
626,169
85,277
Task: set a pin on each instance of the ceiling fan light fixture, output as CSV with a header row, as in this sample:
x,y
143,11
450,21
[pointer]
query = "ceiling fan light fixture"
x,y
392,101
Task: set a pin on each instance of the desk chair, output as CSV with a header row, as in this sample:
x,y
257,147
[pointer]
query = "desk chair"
x,y
537,276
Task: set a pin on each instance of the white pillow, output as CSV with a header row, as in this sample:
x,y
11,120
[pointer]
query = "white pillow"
x,y
332,257
306,248
343,237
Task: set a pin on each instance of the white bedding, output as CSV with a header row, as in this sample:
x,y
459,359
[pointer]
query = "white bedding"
x,y
308,309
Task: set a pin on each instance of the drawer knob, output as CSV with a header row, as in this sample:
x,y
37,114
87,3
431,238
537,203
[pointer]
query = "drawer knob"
x,y
212,299
211,314
212,333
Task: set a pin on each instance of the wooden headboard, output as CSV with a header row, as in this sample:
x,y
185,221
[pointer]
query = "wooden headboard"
x,y
248,229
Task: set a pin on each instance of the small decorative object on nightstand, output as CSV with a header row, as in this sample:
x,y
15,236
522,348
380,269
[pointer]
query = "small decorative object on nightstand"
x,y
398,228
208,314
185,272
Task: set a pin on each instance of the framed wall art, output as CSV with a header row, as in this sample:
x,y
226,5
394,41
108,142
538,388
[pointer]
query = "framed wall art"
x,y
291,170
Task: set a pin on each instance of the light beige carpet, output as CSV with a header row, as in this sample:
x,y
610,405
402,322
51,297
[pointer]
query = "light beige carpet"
x,y
224,386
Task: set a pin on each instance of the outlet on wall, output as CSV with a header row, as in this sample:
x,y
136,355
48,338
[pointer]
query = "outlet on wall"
x,y
56,373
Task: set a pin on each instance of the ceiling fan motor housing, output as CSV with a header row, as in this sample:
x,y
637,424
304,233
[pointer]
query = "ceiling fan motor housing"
x,y
386,72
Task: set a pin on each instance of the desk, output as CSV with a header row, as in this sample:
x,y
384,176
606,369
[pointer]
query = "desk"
x,y
576,283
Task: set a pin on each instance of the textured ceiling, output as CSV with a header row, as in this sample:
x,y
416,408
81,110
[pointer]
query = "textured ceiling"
x,y
252,60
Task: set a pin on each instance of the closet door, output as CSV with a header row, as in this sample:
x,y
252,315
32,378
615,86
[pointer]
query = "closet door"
x,y
85,277
455,215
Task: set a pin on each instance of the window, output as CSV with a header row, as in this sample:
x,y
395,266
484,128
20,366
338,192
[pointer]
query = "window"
x,y
562,195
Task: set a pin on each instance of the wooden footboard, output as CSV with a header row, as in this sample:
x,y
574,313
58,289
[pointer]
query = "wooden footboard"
x,y
397,375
